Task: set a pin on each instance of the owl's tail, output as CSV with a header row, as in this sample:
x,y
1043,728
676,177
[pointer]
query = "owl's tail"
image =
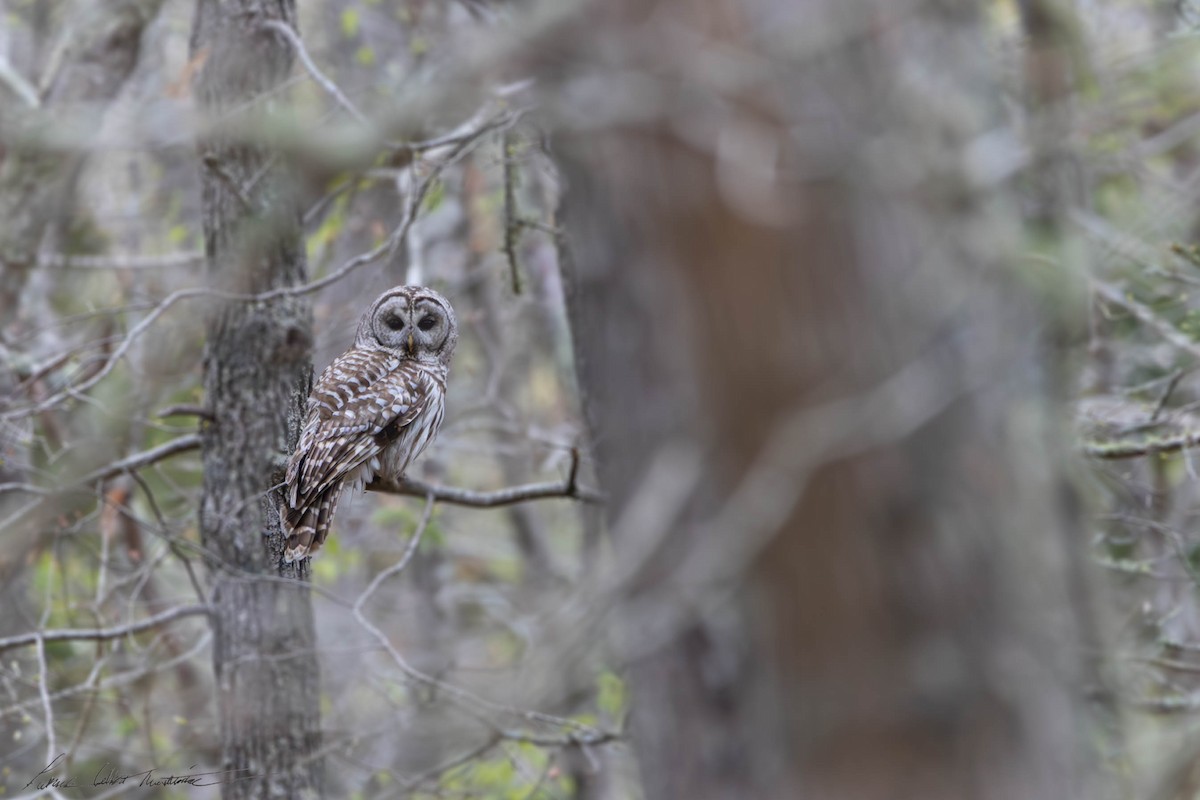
x,y
308,524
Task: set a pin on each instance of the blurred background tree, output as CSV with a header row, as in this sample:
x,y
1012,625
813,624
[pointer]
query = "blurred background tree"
x,y
822,422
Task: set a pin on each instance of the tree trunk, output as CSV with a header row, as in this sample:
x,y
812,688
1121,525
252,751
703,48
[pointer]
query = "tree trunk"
x,y
257,377
820,409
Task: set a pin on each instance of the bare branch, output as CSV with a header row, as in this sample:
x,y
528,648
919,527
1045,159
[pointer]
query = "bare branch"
x,y
393,242
411,487
44,691
180,444
1142,447
439,769
461,147
102,634
165,261
1144,315
474,706
399,566
134,333
18,84
186,410
329,86
512,229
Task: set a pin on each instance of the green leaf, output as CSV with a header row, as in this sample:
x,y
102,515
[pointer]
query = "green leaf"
x,y
365,56
611,695
350,23
434,197
177,235
128,725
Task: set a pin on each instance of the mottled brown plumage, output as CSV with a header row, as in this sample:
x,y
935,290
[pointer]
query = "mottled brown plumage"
x,y
373,411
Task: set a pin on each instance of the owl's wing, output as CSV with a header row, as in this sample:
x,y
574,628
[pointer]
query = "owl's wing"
x,y
357,408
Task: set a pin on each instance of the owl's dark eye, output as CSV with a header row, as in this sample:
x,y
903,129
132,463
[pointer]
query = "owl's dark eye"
x,y
426,323
393,322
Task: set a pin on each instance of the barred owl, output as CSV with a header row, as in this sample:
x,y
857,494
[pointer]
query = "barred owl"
x,y
375,408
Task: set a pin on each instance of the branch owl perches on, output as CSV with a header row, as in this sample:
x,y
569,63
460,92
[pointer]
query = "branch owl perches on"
x,y
374,410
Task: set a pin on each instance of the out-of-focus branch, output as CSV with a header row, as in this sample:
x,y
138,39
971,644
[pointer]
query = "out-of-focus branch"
x,y
124,678
102,54
399,566
165,261
461,148
1142,447
1147,317
329,86
512,229
44,691
458,760
134,333
180,444
187,410
392,243
15,81
478,708
102,634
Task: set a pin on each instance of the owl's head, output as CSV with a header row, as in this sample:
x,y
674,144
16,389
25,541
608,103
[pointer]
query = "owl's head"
x,y
413,321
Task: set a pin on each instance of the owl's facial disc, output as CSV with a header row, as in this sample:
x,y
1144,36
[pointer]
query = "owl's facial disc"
x,y
429,326
392,323
412,321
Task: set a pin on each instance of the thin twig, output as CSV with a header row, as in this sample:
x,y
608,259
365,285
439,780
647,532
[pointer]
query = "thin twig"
x,y
393,242
573,474
512,228
1118,449
44,690
180,444
1175,377
1147,317
134,333
187,410
19,85
538,225
457,761
120,679
1172,704
167,260
473,705
462,146
399,566
102,634
411,487
164,533
329,86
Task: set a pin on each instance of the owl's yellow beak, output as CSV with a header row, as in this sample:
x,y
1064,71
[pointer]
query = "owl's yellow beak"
x,y
412,348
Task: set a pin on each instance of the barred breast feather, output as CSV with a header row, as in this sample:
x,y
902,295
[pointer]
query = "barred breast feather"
x,y
371,413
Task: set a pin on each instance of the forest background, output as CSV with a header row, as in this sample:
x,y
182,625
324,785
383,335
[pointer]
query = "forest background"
x,y
822,424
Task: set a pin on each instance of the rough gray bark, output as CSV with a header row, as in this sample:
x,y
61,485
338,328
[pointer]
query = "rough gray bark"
x,y
860,594
257,376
